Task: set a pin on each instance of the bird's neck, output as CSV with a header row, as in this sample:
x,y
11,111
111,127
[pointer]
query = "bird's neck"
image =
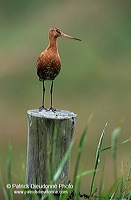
x,y
53,43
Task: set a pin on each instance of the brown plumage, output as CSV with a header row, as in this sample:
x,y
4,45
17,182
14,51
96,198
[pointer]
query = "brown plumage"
x,y
49,62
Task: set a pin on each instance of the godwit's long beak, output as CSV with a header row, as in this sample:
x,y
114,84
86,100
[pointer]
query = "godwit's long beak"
x,y
67,36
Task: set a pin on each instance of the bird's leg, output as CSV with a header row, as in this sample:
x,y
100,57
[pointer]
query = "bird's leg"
x,y
51,92
43,96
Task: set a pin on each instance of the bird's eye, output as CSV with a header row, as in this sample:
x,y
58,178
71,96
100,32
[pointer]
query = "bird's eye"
x,y
58,31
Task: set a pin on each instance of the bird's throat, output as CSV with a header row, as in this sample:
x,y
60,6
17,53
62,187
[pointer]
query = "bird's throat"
x,y
53,43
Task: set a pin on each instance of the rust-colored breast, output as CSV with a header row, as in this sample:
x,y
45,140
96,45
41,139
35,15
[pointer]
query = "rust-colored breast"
x,y
48,65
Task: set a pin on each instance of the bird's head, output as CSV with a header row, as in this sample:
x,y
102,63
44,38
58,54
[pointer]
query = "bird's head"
x,y
56,32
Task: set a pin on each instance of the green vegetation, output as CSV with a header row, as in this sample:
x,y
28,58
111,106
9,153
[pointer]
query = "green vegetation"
x,y
95,75
120,189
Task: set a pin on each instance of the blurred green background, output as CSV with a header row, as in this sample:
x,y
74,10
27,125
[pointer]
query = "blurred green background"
x,y
95,76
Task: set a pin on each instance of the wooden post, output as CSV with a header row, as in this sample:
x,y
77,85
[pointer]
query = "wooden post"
x,y
49,136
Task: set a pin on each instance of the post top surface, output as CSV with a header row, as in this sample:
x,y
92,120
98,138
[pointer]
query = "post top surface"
x,y
58,114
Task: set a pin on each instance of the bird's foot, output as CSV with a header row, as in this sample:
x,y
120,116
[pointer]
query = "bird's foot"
x,y
42,108
52,109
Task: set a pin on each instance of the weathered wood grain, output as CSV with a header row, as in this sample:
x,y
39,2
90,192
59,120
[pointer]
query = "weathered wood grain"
x,y
49,136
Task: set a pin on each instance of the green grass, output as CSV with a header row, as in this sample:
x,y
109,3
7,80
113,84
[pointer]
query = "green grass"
x,y
120,189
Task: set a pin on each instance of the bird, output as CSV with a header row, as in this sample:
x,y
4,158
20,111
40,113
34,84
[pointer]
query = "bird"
x,y
48,63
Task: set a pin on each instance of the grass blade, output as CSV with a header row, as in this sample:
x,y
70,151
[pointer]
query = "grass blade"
x,y
62,163
81,145
97,158
129,197
116,144
9,177
114,141
78,186
102,181
35,196
85,173
112,190
3,188
121,184
44,197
